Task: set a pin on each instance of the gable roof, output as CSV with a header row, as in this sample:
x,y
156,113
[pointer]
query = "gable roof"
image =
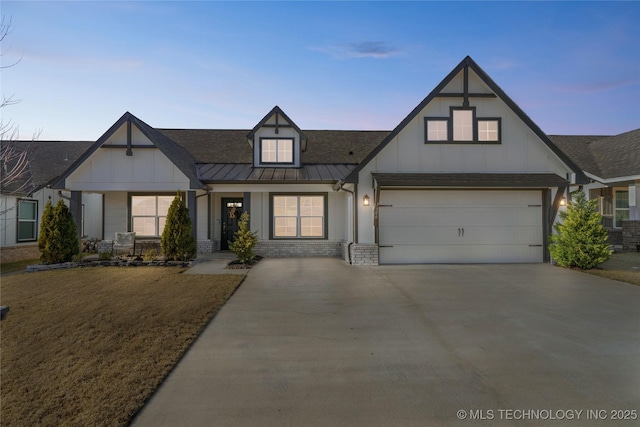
x,y
605,157
468,62
175,152
47,160
277,111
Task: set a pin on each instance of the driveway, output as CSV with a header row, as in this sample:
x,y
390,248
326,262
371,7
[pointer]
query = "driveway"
x,y
315,342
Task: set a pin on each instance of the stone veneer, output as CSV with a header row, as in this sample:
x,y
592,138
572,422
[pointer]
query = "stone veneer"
x,y
615,236
360,254
295,248
631,235
19,253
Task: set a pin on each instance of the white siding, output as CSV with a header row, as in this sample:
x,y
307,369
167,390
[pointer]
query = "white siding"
x,y
110,169
115,213
8,214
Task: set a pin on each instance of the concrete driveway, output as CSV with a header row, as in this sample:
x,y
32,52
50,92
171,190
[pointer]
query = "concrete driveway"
x,y
315,342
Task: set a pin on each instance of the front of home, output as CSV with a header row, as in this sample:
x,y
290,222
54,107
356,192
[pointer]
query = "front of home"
x,y
465,177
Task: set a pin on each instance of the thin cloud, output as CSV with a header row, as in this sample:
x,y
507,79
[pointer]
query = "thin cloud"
x,y
365,49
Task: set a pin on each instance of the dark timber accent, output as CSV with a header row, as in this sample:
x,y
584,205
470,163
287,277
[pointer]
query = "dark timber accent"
x,y
470,95
465,102
129,152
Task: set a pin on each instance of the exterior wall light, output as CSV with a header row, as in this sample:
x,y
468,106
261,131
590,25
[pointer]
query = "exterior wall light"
x,y
563,201
365,200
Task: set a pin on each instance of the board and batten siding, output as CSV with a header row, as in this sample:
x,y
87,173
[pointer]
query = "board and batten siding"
x,y
520,150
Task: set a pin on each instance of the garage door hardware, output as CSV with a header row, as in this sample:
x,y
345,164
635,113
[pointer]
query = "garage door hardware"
x,y
460,232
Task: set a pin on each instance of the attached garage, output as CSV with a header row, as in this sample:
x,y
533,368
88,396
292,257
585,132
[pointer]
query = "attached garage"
x,y
490,224
460,226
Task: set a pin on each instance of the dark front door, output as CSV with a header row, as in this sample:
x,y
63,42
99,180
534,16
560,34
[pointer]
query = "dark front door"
x,y
231,211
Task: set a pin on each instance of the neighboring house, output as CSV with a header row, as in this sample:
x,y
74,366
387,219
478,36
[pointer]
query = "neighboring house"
x,y
465,177
23,199
613,165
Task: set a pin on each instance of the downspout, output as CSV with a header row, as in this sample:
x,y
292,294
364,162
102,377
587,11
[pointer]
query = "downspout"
x,y
354,218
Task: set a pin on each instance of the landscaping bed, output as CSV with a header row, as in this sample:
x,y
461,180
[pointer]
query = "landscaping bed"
x,y
80,348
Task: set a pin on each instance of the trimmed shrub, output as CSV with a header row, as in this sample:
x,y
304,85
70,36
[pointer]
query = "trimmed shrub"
x,y
58,239
581,240
177,241
245,241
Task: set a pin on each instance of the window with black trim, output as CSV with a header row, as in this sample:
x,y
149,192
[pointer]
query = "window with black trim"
x,y
462,126
149,214
276,150
488,130
27,220
299,216
437,129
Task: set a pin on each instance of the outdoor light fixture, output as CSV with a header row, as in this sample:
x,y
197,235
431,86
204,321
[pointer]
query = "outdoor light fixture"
x,y
563,201
365,200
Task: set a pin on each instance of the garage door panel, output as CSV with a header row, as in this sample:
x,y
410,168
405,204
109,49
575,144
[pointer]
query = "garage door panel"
x,y
416,235
453,254
430,226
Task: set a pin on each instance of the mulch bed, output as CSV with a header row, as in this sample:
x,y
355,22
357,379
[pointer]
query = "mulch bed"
x,y
239,265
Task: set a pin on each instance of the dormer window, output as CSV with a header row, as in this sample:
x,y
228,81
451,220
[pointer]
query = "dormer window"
x,y
276,150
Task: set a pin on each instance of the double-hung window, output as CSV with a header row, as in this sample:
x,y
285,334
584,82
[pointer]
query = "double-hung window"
x,y
149,214
276,150
27,220
298,216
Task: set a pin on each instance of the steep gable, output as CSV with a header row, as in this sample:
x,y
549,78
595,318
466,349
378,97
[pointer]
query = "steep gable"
x,y
468,124
129,134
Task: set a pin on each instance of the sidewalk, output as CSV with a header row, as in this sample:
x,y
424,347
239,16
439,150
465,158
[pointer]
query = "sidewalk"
x,y
215,263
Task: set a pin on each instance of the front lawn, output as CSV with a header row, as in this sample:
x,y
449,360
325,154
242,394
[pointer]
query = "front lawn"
x,y
622,266
89,346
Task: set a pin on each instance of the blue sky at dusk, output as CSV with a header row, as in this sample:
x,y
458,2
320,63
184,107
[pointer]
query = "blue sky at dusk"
x,y
573,67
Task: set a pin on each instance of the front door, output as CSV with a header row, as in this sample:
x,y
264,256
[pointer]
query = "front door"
x,y
231,211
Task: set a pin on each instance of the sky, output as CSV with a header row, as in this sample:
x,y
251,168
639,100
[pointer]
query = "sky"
x,y
76,67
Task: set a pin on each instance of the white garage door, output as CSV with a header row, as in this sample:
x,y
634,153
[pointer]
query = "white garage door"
x,y
460,226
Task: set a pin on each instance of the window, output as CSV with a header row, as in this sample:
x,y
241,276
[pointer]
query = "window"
x,y
488,130
149,214
27,220
299,216
462,125
437,129
621,207
276,150
613,205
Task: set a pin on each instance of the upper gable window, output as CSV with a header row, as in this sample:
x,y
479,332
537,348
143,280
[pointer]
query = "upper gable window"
x,y
437,129
276,150
462,126
488,130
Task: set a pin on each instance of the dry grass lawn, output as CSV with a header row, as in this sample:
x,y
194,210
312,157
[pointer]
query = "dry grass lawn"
x,y
89,346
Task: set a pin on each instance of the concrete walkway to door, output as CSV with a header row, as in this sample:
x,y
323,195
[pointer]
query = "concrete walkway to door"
x,y
315,342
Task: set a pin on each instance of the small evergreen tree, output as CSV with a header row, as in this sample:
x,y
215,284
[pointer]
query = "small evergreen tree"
x,y
58,240
177,240
46,228
581,240
245,241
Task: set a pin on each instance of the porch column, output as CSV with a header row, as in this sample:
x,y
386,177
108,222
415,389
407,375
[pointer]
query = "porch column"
x,y
246,200
193,213
75,206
